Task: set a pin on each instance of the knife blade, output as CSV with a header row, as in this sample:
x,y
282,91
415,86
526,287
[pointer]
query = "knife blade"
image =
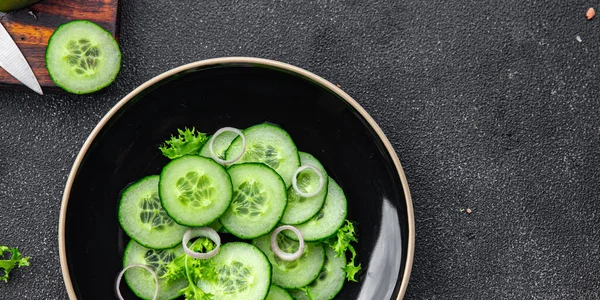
x,y
13,62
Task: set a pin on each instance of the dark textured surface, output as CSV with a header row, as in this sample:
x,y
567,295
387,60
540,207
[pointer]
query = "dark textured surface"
x,y
491,105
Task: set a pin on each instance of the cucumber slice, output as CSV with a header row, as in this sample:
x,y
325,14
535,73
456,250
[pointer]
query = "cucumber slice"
x,y
328,220
194,190
296,273
140,281
143,219
82,57
259,199
243,272
330,281
271,145
277,293
216,225
220,145
300,209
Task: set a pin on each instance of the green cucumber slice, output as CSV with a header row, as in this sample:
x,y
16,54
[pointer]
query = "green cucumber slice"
x,y
269,144
82,57
296,273
300,209
259,199
277,293
140,281
216,225
194,190
330,281
328,220
143,219
243,272
220,145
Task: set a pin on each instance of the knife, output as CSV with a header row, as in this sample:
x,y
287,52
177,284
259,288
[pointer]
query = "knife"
x,y
13,62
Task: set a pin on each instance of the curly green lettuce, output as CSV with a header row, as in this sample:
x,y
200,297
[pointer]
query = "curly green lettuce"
x,y
340,243
185,266
307,292
15,260
189,141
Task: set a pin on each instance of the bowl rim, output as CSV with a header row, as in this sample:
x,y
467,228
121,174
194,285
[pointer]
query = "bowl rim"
x,y
225,61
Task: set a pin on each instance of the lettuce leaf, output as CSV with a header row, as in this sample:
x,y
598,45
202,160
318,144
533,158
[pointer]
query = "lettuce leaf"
x,y
307,292
340,243
193,292
185,266
15,260
189,141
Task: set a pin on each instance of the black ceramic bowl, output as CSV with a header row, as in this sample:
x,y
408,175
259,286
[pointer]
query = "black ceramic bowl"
x,y
238,92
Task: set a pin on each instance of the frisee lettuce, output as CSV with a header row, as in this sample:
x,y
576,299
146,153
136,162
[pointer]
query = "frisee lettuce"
x,y
15,260
189,141
340,243
185,266
307,292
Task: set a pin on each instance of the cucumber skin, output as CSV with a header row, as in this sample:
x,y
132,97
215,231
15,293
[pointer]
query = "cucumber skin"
x,y
280,216
109,82
126,232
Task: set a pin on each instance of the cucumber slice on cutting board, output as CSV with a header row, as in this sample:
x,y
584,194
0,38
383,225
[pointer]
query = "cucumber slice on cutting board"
x,y
328,220
301,209
141,281
243,272
259,199
194,190
269,144
143,219
296,273
82,57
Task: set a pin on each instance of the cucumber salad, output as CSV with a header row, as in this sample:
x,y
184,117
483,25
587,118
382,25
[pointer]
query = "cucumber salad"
x,y
282,219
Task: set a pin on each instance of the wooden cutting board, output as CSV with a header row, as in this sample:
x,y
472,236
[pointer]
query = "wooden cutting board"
x,y
31,28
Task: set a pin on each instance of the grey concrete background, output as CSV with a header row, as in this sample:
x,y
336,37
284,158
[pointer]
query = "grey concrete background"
x,y
491,105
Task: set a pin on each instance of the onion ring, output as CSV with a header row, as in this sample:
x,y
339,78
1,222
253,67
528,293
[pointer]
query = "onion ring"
x,y
139,266
206,232
295,181
282,254
212,140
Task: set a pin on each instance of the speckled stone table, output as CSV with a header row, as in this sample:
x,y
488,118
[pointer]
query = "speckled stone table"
x,y
492,106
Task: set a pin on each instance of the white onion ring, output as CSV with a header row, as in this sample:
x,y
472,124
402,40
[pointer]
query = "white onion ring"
x,y
219,132
282,254
140,266
206,232
295,183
